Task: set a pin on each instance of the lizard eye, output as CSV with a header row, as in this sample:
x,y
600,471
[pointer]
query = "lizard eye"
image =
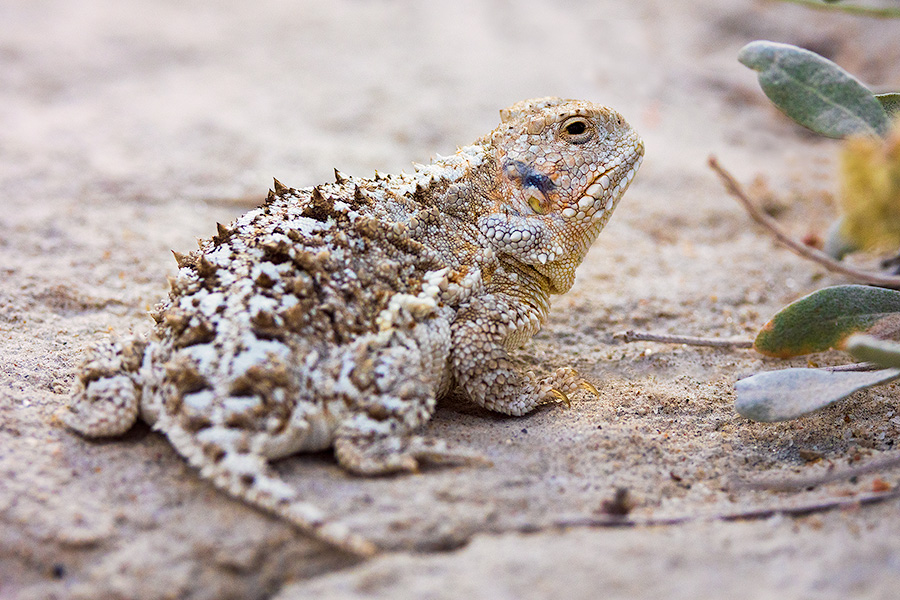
x,y
576,130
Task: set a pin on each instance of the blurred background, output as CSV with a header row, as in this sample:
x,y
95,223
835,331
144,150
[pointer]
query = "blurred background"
x,y
129,128
166,98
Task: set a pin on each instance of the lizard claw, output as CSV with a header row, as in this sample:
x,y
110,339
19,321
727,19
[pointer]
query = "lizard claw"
x,y
562,397
587,385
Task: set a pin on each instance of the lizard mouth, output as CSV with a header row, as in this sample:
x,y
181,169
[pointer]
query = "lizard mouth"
x,y
603,191
595,206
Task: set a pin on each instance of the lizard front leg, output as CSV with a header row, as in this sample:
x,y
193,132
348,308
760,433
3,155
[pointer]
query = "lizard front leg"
x,y
483,368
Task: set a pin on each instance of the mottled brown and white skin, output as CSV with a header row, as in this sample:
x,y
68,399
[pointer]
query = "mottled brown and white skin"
x,y
337,316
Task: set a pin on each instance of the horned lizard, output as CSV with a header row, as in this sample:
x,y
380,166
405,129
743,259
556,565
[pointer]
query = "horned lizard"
x,y
336,316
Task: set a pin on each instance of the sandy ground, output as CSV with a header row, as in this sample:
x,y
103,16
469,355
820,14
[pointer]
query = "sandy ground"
x,y
129,128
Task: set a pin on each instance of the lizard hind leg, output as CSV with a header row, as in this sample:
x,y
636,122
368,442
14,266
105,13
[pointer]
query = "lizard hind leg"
x,y
106,397
222,457
398,394
386,454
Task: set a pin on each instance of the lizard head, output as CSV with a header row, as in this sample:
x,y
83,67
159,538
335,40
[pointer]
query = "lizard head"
x,y
562,166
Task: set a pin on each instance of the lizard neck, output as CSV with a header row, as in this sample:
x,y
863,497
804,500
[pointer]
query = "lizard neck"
x,y
529,292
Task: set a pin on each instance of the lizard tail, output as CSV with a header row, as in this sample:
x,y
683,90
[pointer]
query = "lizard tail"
x,y
247,476
106,396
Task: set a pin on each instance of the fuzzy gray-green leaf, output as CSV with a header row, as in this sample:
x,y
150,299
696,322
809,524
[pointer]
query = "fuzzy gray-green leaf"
x,y
826,318
814,91
890,103
790,393
869,348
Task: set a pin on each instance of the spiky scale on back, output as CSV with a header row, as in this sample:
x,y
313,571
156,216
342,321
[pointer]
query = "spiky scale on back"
x,y
337,315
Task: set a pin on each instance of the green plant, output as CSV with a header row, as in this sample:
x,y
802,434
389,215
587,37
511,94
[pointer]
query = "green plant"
x,y
833,317
854,9
820,95
864,321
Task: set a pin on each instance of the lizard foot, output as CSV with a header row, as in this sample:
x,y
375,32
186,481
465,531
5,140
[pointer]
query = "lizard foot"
x,y
394,454
556,388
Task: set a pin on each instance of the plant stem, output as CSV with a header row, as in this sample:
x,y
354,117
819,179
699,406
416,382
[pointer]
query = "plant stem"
x,y
853,9
762,512
642,336
790,484
803,250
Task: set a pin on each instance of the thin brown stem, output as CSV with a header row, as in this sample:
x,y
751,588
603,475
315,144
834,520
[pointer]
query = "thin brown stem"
x,y
853,9
803,250
642,336
857,367
763,512
800,483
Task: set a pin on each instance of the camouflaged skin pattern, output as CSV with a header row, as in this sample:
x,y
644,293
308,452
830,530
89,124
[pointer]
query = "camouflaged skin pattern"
x,y
336,316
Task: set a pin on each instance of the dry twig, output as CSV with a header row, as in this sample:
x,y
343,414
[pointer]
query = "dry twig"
x,y
763,512
800,483
853,9
803,250
640,336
